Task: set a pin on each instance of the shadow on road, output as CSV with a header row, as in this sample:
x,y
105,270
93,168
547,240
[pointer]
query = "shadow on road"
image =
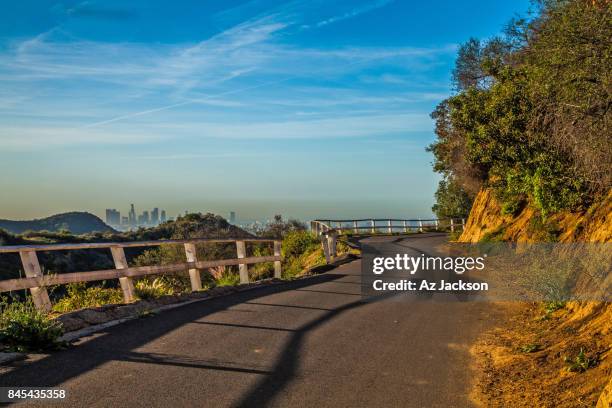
x,y
119,342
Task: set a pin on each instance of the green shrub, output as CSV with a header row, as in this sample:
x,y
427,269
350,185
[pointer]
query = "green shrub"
x,y
79,296
297,243
23,328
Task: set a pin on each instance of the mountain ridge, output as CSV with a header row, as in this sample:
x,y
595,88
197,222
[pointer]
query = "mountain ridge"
x,y
77,222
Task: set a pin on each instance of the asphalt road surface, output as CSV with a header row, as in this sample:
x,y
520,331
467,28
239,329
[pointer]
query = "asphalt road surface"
x,y
308,343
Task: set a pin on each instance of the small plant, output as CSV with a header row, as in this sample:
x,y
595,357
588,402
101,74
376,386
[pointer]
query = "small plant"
x,y
553,306
79,296
454,235
146,313
147,289
580,363
530,348
223,276
23,328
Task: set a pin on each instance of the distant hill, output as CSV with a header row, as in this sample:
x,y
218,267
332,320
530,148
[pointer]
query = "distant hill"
x,y
185,227
75,222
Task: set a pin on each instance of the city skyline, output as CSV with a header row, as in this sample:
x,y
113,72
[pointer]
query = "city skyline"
x,y
258,106
114,218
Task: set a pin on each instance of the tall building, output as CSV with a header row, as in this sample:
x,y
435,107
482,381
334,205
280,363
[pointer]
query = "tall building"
x,y
113,217
132,216
155,216
163,216
232,218
125,221
145,217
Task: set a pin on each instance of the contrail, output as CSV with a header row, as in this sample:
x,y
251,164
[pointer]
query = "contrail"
x,y
191,101
131,115
175,105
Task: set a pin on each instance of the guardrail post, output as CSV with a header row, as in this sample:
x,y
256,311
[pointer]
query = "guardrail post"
x,y
420,225
331,241
324,243
373,226
390,230
31,267
243,269
278,272
127,285
405,226
463,224
437,225
355,230
452,225
194,273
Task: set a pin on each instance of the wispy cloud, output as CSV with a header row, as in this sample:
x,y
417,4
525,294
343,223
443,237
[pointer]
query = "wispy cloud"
x,y
76,91
350,126
353,12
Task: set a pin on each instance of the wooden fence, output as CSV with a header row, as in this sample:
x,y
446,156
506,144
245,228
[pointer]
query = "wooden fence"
x,y
38,283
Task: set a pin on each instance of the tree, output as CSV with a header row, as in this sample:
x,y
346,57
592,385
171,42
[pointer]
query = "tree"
x,y
451,200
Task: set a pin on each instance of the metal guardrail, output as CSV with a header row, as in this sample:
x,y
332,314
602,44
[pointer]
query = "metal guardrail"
x,y
37,282
391,225
328,230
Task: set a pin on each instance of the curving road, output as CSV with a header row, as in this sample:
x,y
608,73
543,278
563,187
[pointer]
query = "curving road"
x,y
308,343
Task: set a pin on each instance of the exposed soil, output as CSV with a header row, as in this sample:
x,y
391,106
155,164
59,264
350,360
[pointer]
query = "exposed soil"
x,y
523,361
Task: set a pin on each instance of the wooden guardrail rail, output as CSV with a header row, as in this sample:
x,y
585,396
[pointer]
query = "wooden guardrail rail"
x,y
37,282
328,230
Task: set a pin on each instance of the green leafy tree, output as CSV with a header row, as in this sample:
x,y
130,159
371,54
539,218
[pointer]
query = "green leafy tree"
x,y
531,116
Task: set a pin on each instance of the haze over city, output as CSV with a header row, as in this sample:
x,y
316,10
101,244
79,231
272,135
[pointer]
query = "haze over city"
x,y
258,107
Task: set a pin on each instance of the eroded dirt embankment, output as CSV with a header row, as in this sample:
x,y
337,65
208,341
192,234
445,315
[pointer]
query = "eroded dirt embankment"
x,y
540,357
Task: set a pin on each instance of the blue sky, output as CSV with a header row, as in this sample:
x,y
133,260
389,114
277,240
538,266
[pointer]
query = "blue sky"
x,y
305,108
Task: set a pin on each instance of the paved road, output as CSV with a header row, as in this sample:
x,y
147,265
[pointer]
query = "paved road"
x,y
309,343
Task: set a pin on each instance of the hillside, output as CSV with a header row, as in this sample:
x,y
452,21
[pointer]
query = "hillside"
x,y
488,222
554,333
523,146
75,222
188,226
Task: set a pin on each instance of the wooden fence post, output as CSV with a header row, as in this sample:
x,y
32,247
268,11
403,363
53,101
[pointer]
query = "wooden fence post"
x,y
331,242
463,224
437,225
31,267
390,230
452,225
373,226
127,285
405,227
278,273
355,229
243,269
194,273
420,225
324,243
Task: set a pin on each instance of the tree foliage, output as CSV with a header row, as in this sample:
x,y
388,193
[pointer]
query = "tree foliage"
x,y
531,116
